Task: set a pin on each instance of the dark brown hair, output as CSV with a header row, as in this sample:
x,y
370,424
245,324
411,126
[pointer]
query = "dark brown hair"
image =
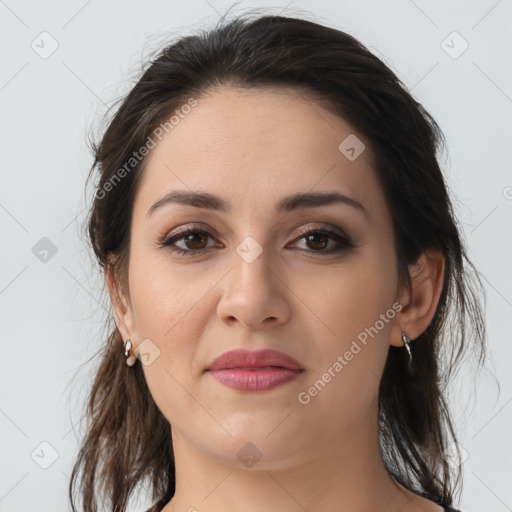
x,y
128,440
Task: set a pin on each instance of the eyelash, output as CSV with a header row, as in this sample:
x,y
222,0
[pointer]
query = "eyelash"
x,y
343,241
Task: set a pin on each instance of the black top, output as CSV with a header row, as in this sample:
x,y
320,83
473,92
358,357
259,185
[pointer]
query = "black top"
x,y
160,504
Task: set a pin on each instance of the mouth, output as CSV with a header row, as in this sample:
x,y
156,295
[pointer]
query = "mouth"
x,y
254,371
255,379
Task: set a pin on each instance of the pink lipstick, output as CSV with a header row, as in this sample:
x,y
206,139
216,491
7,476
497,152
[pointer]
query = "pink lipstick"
x,y
254,371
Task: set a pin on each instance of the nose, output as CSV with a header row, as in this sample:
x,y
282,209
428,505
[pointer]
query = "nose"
x,y
254,294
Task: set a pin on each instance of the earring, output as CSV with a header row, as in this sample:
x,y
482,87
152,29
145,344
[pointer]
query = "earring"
x,y
130,357
407,343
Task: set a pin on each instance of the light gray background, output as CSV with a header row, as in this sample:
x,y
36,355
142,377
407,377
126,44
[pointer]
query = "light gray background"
x,y
51,312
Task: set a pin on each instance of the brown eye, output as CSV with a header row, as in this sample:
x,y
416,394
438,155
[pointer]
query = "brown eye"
x,y
194,241
317,241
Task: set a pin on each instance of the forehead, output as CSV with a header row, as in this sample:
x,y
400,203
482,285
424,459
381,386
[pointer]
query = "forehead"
x,y
256,145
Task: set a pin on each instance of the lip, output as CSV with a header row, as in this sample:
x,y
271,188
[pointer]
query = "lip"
x,y
240,358
254,371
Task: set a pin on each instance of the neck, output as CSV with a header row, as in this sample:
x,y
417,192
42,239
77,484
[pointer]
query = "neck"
x,y
344,472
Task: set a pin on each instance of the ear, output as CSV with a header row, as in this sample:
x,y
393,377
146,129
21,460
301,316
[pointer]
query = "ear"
x,y
123,312
420,304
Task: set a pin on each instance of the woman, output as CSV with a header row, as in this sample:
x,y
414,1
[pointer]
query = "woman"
x,y
289,286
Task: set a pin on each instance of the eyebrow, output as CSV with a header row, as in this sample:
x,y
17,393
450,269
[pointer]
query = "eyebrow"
x,y
287,204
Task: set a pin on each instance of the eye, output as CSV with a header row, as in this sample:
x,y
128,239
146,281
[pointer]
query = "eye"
x,y
194,241
318,240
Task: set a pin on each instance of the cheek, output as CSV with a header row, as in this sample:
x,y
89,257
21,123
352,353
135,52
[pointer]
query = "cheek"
x,y
351,298
346,377
163,296
170,310
357,308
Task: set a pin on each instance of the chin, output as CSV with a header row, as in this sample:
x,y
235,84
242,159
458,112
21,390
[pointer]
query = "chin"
x,y
254,443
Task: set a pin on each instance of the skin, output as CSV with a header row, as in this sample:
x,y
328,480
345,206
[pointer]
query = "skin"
x,y
252,148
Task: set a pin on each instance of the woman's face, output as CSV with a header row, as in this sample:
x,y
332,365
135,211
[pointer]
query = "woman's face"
x,y
260,281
